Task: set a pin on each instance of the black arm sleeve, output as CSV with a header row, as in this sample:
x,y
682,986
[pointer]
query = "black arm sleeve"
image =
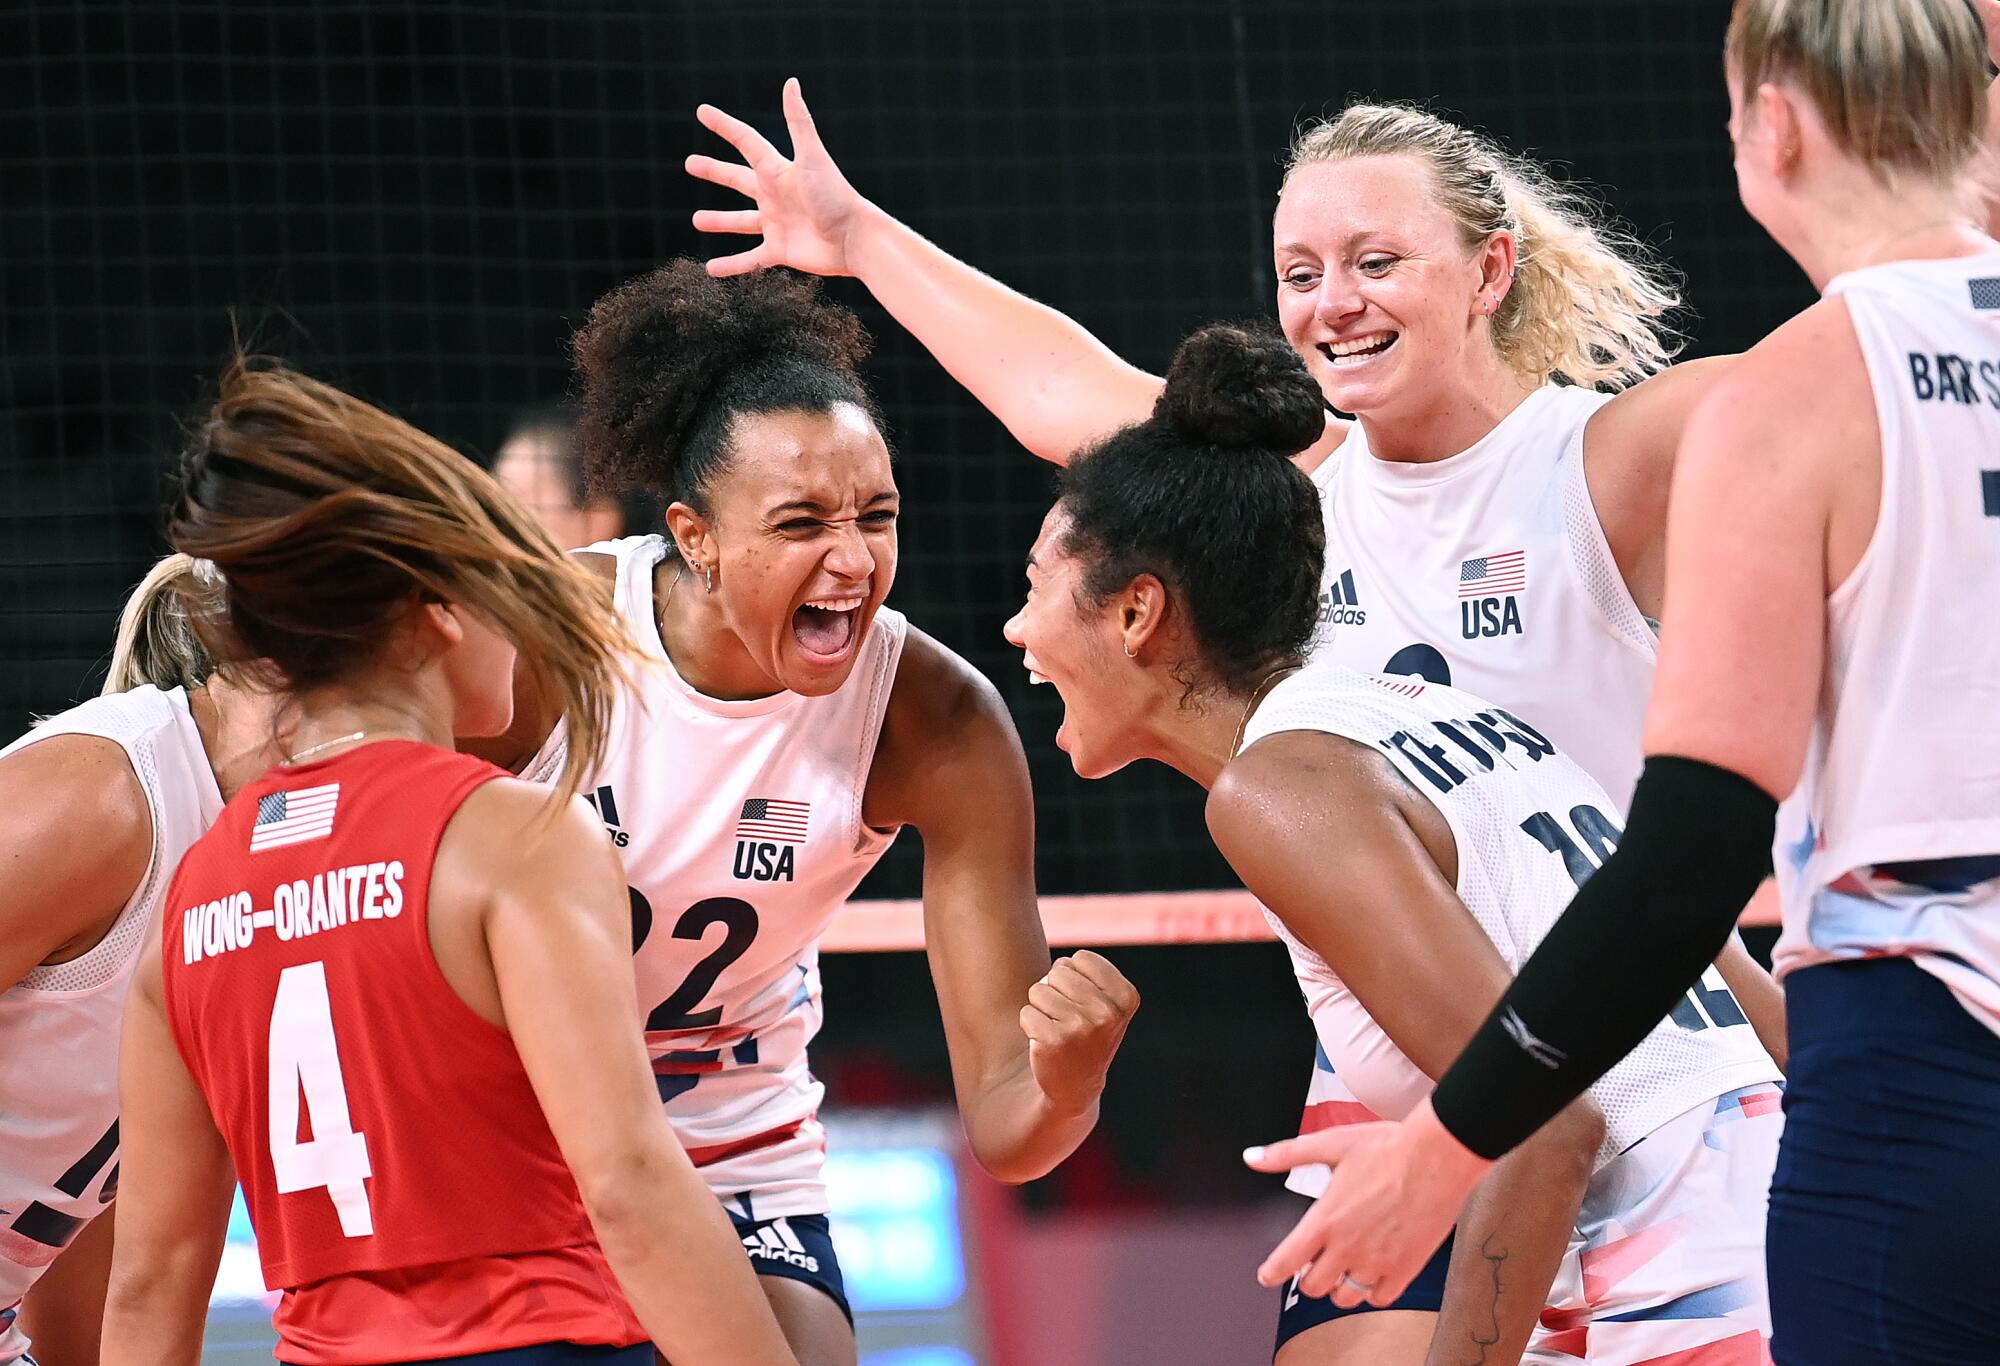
x,y
1638,934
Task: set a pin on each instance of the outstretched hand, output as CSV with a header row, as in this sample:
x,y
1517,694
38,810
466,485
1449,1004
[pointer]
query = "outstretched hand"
x,y
1395,1194
804,205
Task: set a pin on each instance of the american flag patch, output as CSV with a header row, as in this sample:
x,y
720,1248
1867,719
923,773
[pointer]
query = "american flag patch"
x,y
1491,575
1402,687
294,817
1985,292
774,819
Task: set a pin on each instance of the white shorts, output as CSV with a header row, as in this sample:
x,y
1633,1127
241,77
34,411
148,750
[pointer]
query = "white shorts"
x,y
1667,1268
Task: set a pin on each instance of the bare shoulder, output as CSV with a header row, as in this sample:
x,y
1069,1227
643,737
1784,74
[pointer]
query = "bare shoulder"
x,y
509,829
1643,423
1299,797
1268,785
945,726
937,693
1800,399
54,886
79,782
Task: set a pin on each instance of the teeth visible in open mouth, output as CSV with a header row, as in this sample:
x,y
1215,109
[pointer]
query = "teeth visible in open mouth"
x,y
1034,677
836,604
1357,347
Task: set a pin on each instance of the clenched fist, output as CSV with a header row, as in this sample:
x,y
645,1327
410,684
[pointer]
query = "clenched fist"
x,y
1074,1019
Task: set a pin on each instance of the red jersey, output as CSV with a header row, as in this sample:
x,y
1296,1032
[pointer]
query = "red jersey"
x,y
405,1189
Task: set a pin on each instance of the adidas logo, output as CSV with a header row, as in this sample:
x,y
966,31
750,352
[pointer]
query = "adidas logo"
x,y
776,1242
607,810
1339,605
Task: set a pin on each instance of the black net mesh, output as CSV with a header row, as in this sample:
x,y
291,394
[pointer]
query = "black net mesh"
x,y
418,201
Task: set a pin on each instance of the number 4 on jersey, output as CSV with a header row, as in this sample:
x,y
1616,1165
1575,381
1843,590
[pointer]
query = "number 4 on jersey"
x,y
304,1058
1709,1003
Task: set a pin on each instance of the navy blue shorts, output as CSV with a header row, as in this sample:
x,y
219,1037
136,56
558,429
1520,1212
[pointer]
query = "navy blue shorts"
x,y
1885,1209
798,1247
1297,1312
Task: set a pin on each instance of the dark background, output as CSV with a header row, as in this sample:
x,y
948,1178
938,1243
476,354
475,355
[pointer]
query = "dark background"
x,y
419,200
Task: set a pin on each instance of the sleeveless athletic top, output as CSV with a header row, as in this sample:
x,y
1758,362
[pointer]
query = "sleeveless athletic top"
x,y
1891,842
59,1025
1488,571
1530,826
740,827
394,1158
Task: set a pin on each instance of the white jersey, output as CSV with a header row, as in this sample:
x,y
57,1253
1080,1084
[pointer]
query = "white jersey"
x,y
1530,826
741,831
1890,844
1488,571
59,1025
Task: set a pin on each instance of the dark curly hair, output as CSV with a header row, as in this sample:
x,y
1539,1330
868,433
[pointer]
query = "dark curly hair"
x,y
669,360
1203,494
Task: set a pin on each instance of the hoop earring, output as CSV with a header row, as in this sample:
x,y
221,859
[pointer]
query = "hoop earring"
x,y
707,573
1129,654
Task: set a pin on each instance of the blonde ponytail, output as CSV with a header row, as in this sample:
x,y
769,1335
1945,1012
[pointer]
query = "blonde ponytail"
x,y
156,642
1589,301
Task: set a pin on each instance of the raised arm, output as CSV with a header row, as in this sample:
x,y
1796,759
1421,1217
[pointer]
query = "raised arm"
x,y
1055,386
556,923
1030,1043
1362,869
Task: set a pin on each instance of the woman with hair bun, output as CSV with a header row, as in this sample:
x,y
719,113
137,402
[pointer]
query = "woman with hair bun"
x,y
1827,702
1401,835
1495,510
387,989
788,724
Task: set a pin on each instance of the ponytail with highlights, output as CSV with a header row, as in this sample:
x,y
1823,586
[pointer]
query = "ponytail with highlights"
x,y
157,644
327,519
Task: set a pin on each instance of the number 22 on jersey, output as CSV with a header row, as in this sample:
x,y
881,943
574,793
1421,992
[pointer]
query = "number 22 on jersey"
x,y
304,1060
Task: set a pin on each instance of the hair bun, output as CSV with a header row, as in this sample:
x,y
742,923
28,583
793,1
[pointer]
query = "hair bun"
x,y
1235,388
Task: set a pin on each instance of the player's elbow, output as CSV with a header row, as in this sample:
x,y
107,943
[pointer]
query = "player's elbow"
x,y
1571,1141
627,1186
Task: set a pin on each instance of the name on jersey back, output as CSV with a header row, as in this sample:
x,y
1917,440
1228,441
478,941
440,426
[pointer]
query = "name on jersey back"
x,y
299,909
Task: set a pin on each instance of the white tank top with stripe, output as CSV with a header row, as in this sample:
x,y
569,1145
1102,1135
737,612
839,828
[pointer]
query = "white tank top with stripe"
x,y
1530,825
1891,842
741,831
59,1025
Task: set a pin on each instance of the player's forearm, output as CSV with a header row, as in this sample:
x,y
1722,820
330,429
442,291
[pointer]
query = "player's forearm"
x,y
157,1306
680,1265
1016,1132
1762,999
1055,386
1511,1238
